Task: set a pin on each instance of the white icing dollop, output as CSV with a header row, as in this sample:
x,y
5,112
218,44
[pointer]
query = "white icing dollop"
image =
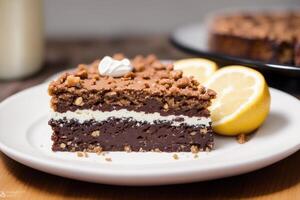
x,y
115,68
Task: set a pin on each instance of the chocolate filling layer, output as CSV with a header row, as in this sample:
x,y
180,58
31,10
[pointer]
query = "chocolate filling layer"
x,y
118,134
149,106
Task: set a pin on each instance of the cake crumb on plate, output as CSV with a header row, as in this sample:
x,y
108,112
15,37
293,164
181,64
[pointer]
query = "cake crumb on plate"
x,y
241,138
175,156
108,159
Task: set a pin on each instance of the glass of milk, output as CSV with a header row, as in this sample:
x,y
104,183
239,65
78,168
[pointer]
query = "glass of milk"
x,y
21,38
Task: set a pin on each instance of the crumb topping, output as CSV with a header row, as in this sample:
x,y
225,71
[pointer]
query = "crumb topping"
x,y
149,75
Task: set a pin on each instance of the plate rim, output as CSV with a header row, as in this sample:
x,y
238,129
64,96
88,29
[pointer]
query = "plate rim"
x,y
39,163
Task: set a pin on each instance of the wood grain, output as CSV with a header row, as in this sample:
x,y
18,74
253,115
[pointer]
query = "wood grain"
x,y
278,181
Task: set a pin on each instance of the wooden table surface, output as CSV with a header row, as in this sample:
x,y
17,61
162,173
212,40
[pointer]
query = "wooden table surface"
x,y
278,181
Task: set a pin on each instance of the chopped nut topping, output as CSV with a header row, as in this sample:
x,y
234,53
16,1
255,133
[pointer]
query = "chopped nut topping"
x,y
166,82
193,133
63,145
203,130
139,67
151,58
171,102
211,92
95,133
183,82
98,150
72,81
138,59
158,65
176,74
169,66
166,106
79,101
82,71
129,75
195,82
174,90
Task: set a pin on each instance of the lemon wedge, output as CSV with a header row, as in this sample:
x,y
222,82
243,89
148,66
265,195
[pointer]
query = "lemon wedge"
x,y
243,100
201,69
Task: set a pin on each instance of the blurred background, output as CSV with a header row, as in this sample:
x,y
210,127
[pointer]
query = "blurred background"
x,y
94,18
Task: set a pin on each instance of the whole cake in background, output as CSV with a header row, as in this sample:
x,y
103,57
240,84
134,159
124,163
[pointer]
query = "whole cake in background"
x,y
265,36
118,104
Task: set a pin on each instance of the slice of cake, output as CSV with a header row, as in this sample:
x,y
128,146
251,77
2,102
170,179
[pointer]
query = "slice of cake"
x,y
266,36
120,105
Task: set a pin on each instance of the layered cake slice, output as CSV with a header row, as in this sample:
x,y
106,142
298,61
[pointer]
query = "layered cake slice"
x,y
266,36
141,104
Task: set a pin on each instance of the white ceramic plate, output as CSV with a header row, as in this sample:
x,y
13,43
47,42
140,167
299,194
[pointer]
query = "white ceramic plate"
x,y
25,137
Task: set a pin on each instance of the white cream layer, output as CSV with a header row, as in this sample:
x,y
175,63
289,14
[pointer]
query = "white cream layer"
x,y
85,115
